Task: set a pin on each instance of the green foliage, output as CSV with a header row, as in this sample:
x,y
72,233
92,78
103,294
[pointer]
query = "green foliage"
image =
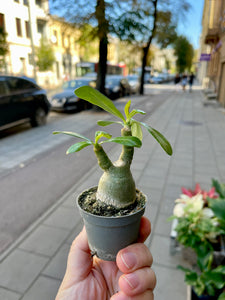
x,y
184,52
3,42
220,188
45,56
165,29
207,282
95,97
3,47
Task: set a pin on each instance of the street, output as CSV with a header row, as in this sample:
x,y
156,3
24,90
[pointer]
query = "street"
x,y
34,170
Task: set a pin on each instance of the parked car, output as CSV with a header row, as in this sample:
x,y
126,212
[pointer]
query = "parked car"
x,y
157,79
22,100
117,86
66,100
134,82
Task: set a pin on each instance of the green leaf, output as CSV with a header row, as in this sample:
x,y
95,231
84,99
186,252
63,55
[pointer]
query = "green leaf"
x,y
220,188
95,97
106,123
130,141
159,138
74,134
218,207
100,134
222,296
127,108
78,146
136,130
136,111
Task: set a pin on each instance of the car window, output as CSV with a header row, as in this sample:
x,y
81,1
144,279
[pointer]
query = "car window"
x,y
17,84
74,84
3,89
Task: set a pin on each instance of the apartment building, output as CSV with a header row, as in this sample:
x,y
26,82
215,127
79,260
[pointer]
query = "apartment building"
x,y
213,42
64,38
24,21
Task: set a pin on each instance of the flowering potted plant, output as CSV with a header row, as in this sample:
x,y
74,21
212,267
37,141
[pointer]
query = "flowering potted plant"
x,y
112,210
200,227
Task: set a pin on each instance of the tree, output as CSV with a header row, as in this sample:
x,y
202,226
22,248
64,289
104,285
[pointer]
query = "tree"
x,y
45,56
184,52
3,47
125,19
130,20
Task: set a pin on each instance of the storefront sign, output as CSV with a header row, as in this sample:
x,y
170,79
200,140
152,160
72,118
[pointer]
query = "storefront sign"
x,y
205,57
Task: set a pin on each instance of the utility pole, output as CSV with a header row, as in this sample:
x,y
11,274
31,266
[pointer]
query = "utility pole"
x,y
32,42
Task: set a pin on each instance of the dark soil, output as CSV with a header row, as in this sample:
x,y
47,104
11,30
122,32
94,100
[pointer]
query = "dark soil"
x,y
90,204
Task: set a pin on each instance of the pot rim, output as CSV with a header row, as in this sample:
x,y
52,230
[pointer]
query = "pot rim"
x,y
111,217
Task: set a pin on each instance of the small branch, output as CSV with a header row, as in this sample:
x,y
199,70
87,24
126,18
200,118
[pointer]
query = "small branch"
x,y
103,159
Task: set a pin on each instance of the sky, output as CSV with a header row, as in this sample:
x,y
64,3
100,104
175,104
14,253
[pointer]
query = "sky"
x,y
192,28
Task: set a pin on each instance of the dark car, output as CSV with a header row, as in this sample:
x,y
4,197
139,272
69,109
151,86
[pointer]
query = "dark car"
x,y
66,100
134,82
117,86
22,100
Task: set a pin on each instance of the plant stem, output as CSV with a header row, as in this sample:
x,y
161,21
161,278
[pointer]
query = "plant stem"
x,y
103,160
127,152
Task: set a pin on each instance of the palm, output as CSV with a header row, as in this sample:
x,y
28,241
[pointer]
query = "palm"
x,y
92,278
100,283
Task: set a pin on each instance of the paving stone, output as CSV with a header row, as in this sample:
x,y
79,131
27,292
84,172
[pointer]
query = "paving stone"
x,y
45,240
43,288
8,295
160,249
20,269
163,226
170,284
57,266
63,217
75,232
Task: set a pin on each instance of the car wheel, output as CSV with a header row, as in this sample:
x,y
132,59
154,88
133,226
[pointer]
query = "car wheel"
x,y
39,118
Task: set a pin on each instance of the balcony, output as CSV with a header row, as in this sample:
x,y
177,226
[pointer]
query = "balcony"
x,y
212,36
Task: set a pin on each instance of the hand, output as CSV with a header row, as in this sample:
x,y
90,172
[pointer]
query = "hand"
x,y
129,278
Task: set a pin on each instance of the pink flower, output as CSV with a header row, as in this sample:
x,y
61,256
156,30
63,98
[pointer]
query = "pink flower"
x,y
190,193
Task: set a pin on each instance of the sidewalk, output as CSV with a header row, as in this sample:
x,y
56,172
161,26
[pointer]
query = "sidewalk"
x,y
33,267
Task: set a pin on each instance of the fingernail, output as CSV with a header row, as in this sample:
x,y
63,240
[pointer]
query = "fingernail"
x,y
132,280
129,259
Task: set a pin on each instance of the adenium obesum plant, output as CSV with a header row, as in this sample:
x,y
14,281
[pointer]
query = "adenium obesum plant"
x,y
116,186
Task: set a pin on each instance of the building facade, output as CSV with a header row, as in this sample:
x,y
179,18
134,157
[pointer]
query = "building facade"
x,y
25,22
213,43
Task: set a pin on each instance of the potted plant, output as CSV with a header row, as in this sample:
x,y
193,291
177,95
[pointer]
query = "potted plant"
x,y
200,228
112,210
207,284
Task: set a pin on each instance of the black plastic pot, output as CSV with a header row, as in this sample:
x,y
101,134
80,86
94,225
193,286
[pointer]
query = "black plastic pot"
x,y
194,296
108,235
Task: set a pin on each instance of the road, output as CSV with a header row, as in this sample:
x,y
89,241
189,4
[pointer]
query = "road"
x,y
34,170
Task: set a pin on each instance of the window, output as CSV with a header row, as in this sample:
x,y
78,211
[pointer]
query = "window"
x,y
25,2
18,27
3,90
17,84
68,38
30,59
27,27
41,27
55,34
38,3
16,1
2,21
63,39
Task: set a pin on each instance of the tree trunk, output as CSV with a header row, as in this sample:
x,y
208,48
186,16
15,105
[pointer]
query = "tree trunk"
x,y
102,65
103,45
146,48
